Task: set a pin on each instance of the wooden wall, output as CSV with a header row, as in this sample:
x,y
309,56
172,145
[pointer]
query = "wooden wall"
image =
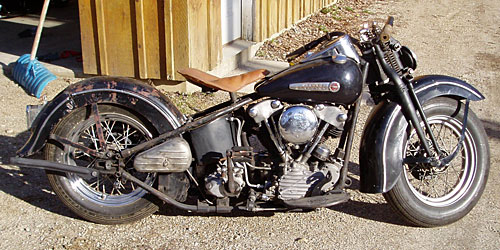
x,y
149,39
152,39
272,16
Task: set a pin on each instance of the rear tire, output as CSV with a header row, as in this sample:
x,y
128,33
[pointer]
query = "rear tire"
x,y
103,199
428,196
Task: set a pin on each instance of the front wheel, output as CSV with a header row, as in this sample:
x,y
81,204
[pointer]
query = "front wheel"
x,y
429,196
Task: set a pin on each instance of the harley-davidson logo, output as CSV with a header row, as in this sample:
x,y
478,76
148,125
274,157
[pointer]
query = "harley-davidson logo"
x,y
316,86
334,87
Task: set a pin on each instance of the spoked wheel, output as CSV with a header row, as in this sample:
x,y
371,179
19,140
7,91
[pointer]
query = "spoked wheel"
x,y
430,196
106,199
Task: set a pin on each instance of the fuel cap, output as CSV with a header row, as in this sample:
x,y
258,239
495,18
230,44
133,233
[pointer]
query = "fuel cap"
x,y
340,59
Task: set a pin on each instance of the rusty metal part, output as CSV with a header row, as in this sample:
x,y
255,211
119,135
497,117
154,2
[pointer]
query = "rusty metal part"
x,y
54,166
84,149
98,125
231,184
125,92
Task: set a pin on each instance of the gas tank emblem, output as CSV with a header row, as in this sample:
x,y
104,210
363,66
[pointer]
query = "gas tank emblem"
x,y
315,86
334,87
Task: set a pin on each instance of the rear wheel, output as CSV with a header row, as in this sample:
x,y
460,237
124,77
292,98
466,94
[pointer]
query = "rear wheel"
x,y
430,196
105,199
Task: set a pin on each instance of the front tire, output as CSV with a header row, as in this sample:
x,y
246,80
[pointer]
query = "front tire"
x,y
104,199
427,196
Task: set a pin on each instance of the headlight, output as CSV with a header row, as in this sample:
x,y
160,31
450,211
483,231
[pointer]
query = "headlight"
x,y
408,58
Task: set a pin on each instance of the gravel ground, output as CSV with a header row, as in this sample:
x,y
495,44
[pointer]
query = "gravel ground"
x,y
453,37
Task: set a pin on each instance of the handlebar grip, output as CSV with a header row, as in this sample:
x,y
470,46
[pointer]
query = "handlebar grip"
x,y
390,21
385,35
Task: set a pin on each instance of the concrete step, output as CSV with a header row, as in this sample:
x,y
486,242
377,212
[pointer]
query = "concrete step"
x,y
238,58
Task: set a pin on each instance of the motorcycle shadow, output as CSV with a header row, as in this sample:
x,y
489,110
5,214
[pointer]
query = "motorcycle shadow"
x,y
367,206
492,129
27,184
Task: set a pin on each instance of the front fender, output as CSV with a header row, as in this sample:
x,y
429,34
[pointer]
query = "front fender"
x,y
126,92
381,150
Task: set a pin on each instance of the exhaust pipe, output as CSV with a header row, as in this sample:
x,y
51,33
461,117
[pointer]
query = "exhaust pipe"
x,y
54,166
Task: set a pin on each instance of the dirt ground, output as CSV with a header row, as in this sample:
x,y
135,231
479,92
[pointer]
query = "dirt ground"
x,y
451,37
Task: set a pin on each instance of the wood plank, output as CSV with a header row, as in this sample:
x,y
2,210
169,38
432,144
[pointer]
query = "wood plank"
x,y
214,33
257,28
101,36
282,10
273,17
120,38
265,18
88,36
148,39
198,34
307,7
289,13
141,39
169,48
152,39
295,10
302,8
180,38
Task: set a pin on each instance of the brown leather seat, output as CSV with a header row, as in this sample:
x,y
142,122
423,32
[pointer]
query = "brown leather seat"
x,y
230,84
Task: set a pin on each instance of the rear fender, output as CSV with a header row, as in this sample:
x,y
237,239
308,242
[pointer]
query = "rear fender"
x,y
129,93
381,147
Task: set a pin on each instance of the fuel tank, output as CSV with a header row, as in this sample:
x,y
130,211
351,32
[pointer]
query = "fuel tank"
x,y
336,79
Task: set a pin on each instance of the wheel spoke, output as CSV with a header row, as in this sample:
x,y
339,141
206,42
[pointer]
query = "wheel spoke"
x,y
119,132
439,185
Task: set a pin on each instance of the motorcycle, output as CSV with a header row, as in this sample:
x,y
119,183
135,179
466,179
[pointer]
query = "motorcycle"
x,y
114,147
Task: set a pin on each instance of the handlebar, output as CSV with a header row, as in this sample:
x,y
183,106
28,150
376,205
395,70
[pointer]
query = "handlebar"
x,y
385,35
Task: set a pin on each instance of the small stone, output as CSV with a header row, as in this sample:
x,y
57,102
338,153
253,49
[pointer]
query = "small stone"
x,y
9,131
302,240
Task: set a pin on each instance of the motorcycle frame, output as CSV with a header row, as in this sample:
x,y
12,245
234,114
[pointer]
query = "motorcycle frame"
x,y
408,100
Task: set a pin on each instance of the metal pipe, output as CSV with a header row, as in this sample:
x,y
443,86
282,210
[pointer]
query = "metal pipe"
x,y
231,184
54,166
171,201
424,118
245,164
348,146
307,154
406,103
275,141
352,131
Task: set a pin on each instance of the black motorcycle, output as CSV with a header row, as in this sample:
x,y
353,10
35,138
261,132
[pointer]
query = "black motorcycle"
x,y
113,146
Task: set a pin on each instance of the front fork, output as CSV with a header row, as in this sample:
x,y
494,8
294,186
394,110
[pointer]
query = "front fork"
x,y
411,105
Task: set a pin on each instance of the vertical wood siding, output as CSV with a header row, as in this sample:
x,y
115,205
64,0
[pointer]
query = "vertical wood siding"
x,y
152,39
149,39
272,16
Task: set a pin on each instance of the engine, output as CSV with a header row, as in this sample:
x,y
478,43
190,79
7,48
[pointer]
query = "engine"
x,y
283,157
300,129
298,124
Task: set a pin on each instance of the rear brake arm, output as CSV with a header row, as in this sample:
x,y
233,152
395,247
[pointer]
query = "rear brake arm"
x,y
84,149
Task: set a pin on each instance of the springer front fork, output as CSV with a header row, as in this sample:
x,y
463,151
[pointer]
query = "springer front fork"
x,y
413,110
